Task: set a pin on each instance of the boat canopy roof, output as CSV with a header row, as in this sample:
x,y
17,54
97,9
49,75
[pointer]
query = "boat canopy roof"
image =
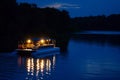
x,y
37,39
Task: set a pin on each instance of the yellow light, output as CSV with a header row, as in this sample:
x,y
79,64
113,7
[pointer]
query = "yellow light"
x,y
28,65
42,41
29,41
37,67
48,65
42,65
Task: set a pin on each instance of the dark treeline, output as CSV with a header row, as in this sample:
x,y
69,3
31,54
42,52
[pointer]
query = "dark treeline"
x,y
25,20
7,22
33,20
111,22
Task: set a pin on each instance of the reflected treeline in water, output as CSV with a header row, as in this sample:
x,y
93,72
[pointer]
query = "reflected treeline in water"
x,y
62,41
98,38
38,68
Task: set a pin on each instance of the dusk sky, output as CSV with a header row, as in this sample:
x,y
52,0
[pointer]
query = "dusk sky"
x,y
78,8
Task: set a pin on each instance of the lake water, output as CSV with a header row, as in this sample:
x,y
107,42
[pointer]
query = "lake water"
x,y
87,58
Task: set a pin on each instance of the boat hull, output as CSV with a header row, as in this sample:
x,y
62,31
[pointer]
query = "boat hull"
x,y
38,52
25,52
46,51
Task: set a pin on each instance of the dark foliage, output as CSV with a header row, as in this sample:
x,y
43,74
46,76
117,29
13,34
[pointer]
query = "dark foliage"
x,y
111,22
26,20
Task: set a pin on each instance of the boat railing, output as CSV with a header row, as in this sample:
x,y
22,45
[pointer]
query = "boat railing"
x,y
30,44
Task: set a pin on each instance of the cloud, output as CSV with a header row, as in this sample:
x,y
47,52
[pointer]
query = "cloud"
x,y
63,5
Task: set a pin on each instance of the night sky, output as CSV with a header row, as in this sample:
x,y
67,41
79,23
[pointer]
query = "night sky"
x,y
80,8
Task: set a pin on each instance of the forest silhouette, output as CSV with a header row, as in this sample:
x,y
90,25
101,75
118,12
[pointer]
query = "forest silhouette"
x,y
24,20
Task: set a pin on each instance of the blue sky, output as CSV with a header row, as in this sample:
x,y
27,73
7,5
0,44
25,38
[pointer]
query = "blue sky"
x,y
83,8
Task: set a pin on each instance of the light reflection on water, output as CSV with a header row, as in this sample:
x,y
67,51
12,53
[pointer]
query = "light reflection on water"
x,y
38,68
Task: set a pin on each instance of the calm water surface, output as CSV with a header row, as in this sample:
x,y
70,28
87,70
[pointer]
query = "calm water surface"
x,y
86,59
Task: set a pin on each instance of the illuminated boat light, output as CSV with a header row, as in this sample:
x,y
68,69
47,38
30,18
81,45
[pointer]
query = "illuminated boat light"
x,y
41,46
